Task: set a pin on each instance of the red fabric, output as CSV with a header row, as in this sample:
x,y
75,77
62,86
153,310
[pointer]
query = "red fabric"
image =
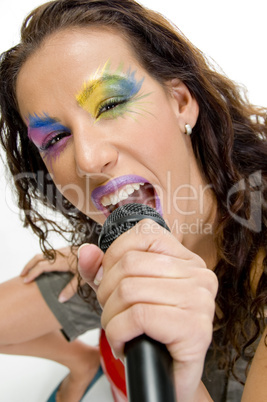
x,y
113,369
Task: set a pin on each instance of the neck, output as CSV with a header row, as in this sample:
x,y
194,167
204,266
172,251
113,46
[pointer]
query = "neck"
x,y
201,236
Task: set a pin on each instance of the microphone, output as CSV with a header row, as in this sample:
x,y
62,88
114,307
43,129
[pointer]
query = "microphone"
x,y
149,376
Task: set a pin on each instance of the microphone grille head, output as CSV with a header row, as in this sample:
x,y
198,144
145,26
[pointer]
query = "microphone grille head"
x,y
123,219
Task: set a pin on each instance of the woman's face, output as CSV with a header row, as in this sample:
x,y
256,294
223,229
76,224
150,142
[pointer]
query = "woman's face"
x,y
107,131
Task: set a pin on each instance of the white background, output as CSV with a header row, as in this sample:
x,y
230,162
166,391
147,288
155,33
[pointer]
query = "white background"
x,y
231,32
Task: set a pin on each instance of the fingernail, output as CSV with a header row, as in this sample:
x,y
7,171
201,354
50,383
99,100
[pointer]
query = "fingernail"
x,y
26,279
85,244
62,299
99,276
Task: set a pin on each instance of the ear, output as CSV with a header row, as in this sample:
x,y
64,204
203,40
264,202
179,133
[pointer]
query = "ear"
x,y
185,105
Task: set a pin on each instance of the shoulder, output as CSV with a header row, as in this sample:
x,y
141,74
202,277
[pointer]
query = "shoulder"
x,y
255,387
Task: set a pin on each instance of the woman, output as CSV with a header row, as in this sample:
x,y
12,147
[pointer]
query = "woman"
x,y
118,107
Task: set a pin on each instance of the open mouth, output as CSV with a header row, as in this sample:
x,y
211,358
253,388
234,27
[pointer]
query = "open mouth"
x,y
140,193
125,190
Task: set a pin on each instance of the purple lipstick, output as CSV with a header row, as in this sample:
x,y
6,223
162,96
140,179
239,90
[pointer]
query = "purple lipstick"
x,y
124,190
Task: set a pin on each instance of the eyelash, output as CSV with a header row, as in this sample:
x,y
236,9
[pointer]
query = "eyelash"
x,y
54,140
109,105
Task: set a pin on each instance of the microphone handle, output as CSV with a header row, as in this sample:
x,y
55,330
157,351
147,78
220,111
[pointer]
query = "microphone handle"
x,y
148,367
149,374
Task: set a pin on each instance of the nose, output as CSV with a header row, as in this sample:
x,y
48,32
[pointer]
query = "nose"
x,y
94,153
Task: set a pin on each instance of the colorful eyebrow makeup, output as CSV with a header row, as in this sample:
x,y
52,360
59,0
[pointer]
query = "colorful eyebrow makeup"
x,y
47,134
109,95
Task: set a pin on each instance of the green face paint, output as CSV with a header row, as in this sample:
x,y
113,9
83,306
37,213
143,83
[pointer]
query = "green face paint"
x,y
110,95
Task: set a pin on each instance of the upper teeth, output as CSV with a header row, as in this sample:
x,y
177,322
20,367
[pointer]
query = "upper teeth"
x,y
122,194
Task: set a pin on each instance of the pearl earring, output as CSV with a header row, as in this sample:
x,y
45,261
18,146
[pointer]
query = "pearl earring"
x,y
188,129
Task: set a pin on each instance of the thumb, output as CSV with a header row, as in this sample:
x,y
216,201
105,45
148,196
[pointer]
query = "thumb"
x,y
69,290
89,264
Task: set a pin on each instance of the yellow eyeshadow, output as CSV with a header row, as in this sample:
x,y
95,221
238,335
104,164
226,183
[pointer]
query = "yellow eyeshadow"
x,y
88,102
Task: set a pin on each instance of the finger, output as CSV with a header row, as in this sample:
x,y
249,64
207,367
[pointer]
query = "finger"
x,y
148,236
168,292
186,340
165,324
36,271
136,264
89,264
61,263
65,260
35,260
45,266
69,291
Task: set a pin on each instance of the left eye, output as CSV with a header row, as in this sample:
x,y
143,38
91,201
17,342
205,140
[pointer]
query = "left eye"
x,y
111,104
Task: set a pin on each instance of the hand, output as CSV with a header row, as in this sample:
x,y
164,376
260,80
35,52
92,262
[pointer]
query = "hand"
x,y
65,261
152,284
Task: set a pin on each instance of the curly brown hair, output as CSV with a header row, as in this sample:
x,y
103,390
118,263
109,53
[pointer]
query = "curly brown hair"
x,y
229,141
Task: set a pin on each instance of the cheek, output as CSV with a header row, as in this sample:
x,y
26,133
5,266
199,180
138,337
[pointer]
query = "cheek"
x,y
75,189
63,173
168,155
163,142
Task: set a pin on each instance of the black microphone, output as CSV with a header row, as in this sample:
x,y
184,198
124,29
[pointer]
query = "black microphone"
x,y
149,375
